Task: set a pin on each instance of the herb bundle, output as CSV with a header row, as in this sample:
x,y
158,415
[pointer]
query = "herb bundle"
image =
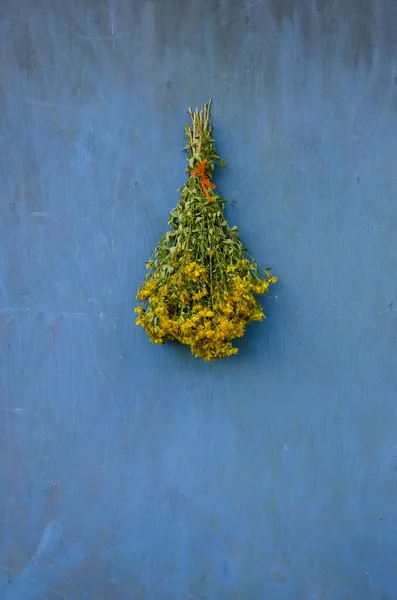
x,y
201,283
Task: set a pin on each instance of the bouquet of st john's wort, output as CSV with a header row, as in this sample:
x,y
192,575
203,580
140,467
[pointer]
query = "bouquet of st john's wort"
x,y
201,284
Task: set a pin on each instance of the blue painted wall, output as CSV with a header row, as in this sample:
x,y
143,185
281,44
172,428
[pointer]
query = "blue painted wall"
x,y
133,472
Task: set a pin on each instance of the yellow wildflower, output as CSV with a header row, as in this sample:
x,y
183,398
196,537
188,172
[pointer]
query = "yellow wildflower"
x,y
201,286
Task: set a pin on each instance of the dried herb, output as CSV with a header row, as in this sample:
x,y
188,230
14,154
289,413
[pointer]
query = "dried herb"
x,y
201,285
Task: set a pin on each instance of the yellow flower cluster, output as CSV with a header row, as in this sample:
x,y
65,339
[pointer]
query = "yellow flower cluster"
x,y
201,289
186,307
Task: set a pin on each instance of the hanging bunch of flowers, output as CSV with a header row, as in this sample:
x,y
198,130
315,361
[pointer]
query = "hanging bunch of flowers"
x,y
201,284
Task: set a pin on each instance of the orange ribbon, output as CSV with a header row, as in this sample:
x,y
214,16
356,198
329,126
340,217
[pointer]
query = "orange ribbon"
x,y
205,183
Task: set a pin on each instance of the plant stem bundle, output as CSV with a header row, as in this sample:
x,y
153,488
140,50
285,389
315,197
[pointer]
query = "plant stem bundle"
x,y
201,284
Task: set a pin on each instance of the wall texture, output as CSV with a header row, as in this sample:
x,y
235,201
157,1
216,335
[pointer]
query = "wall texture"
x,y
133,472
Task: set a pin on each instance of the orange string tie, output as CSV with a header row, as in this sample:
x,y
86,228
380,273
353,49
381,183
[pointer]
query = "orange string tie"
x,y
205,183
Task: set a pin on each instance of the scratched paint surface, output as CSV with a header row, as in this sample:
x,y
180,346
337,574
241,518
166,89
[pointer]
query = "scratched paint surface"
x,y
129,471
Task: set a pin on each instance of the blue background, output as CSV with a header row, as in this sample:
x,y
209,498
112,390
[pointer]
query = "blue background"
x,y
135,472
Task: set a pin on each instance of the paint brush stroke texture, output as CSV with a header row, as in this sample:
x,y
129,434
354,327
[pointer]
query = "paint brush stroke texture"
x,y
33,577
129,471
